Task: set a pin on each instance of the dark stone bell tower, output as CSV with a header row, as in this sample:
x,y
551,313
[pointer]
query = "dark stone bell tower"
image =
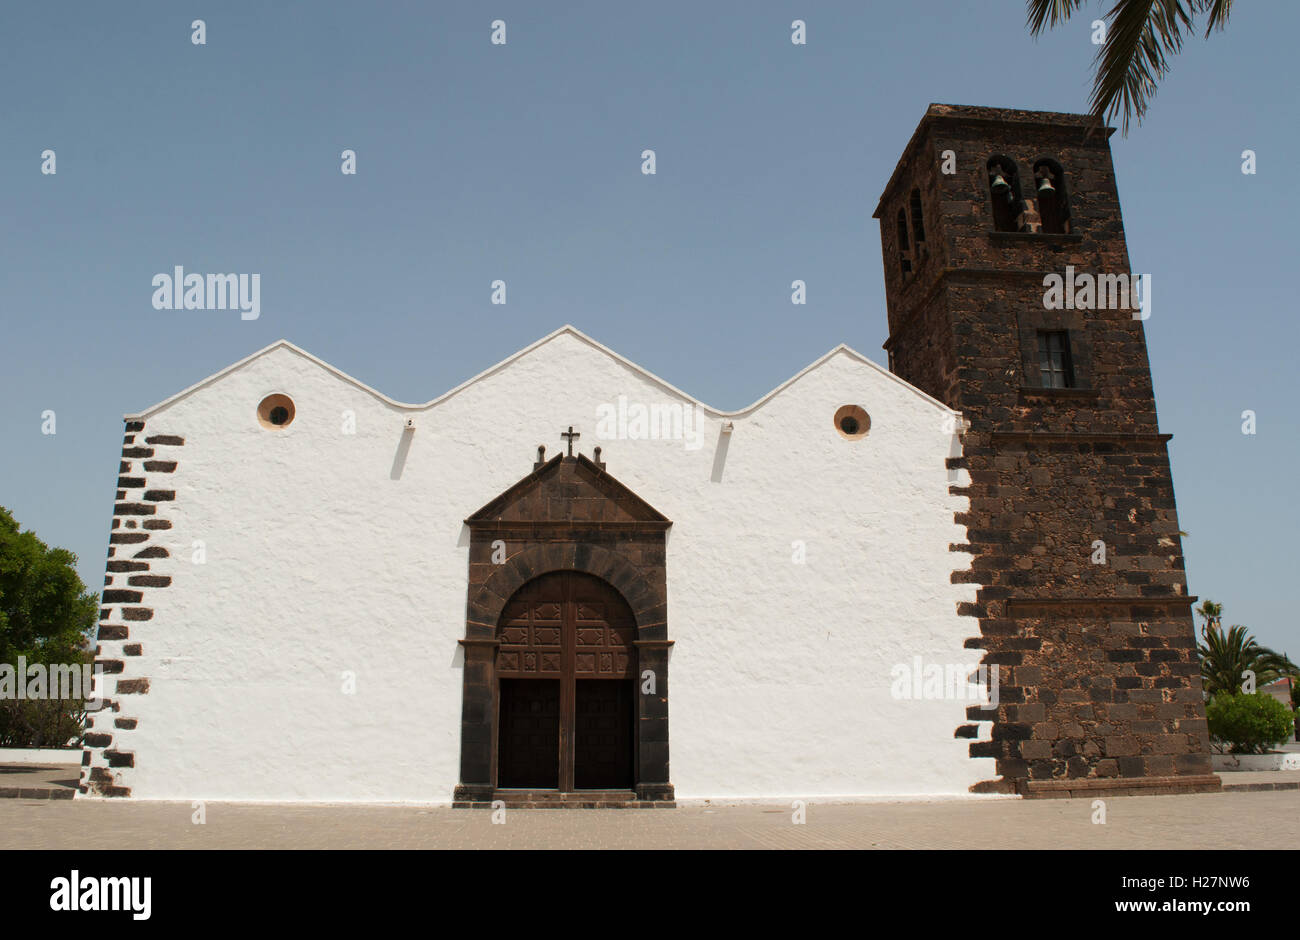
x,y
1072,526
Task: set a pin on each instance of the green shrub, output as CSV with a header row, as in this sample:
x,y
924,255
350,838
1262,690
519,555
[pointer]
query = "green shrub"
x,y
46,617
1249,724
43,722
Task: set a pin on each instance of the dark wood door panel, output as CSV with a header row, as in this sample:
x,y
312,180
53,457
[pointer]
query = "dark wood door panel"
x,y
530,734
573,634
602,757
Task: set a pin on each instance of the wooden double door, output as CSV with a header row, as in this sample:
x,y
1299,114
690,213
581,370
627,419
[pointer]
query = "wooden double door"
x,y
566,674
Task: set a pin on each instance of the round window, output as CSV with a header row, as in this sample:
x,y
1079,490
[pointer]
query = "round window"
x,y
852,422
275,412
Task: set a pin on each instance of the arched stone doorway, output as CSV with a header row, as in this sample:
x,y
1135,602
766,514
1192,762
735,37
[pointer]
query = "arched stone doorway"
x,y
566,668
567,548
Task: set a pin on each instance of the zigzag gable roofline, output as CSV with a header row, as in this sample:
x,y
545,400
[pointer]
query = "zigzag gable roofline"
x,y
841,349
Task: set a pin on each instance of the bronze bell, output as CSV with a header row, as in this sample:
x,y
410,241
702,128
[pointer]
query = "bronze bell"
x,y
998,183
1045,186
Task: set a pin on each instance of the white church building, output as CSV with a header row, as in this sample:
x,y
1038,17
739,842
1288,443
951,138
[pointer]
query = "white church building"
x,y
563,580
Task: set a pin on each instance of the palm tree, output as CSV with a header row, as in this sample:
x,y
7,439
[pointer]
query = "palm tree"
x,y
1141,35
1212,613
1225,656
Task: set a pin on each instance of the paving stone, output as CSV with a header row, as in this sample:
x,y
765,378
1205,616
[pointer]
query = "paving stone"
x,y
1241,819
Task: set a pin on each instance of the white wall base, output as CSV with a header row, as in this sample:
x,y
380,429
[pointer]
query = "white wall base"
x,y
1277,761
40,755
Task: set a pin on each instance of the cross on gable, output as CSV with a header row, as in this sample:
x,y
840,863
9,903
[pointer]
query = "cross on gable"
x,y
572,435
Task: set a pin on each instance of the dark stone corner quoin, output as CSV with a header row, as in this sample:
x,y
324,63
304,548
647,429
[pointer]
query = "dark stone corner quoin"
x,y
143,492
1099,682
570,515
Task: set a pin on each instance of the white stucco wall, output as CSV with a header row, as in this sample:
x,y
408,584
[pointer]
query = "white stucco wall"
x,y
329,553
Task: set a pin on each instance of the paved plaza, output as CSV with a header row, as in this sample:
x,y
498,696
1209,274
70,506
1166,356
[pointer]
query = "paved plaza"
x,y
1243,820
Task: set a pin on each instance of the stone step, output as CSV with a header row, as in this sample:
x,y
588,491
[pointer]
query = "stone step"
x,y
580,799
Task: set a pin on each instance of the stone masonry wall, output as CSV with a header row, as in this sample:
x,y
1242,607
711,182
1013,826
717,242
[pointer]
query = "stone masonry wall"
x,y
1099,672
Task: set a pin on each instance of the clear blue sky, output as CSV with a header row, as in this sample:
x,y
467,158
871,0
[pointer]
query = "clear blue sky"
x,y
522,162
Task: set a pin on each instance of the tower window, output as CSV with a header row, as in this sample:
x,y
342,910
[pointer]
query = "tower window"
x,y
1054,359
904,256
918,225
1004,191
1053,200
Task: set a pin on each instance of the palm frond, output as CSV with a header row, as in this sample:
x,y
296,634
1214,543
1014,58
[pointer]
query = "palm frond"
x,y
1044,14
1141,36
1219,10
1226,655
